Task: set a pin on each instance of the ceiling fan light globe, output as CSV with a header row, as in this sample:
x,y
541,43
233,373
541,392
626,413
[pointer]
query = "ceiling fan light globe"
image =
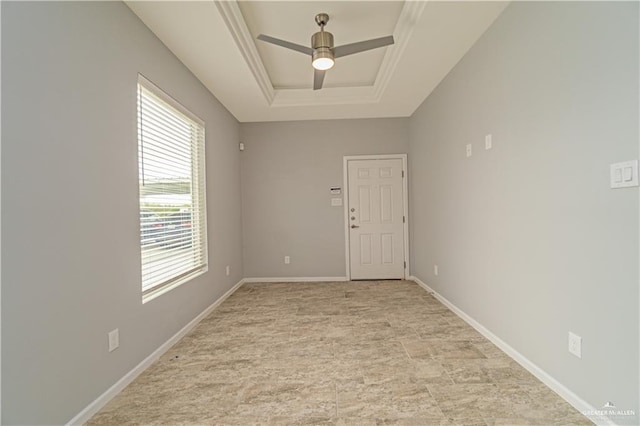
x,y
323,64
322,59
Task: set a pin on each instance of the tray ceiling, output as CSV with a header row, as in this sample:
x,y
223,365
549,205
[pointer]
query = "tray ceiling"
x,y
257,81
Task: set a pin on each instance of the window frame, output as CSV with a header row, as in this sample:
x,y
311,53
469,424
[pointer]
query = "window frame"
x,y
198,175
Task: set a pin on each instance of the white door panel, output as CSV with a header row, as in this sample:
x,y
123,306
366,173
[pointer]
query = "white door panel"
x,y
365,249
376,212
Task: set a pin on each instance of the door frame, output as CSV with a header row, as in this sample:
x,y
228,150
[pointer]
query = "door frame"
x,y
405,206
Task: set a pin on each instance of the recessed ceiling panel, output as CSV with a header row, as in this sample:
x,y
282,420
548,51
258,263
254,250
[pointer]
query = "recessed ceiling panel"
x,y
293,21
216,41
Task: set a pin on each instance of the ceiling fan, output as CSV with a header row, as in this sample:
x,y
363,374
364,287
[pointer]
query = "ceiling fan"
x,y
322,52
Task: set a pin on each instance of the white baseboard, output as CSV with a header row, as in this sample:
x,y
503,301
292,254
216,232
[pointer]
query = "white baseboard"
x,y
103,399
566,394
293,279
577,402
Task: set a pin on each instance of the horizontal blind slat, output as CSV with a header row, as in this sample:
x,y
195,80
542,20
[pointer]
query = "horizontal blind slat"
x,y
172,202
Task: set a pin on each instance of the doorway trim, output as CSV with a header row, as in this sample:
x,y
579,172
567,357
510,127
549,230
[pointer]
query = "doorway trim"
x,y
405,206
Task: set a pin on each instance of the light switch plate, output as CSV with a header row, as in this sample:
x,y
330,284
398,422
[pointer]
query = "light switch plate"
x,y
114,340
624,175
575,344
488,142
335,202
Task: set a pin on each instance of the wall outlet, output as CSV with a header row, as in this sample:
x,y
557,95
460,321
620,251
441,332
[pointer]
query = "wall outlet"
x,y
114,340
228,270
469,151
287,260
488,142
435,270
575,345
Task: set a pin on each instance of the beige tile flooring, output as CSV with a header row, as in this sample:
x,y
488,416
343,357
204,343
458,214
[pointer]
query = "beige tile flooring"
x,y
352,353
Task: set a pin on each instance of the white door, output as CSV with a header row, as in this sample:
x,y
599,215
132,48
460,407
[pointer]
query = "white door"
x,y
376,219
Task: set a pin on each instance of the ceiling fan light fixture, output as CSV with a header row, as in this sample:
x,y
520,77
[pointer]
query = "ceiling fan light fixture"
x,y
322,51
322,59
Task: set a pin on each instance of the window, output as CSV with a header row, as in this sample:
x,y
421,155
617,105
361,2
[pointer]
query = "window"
x,y
173,231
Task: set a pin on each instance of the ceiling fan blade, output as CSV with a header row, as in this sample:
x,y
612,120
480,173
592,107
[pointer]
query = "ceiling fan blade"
x,y
361,46
283,43
318,79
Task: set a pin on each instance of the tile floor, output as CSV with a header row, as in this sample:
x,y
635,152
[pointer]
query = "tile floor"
x,y
355,353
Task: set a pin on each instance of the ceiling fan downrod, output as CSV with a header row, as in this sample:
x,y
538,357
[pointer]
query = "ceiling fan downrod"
x,y
322,51
322,44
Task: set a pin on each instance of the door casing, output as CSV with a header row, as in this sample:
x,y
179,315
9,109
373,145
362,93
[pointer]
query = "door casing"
x,y
405,207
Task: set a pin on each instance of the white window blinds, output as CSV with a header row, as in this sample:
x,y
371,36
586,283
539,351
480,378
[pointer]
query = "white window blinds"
x,y
171,164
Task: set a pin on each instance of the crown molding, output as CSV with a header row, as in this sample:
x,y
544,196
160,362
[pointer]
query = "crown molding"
x,y
326,96
232,16
411,13
409,16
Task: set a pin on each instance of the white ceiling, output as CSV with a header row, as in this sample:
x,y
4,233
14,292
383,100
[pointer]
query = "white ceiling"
x,y
291,70
257,81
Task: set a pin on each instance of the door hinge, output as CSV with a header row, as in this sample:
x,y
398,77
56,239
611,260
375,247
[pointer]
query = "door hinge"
x,y
403,173
405,264
403,219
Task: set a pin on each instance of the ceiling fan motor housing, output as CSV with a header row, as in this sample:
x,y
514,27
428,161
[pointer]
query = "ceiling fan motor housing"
x,y
322,52
322,43
322,39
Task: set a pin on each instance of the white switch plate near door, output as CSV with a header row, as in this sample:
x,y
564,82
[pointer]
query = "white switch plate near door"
x,y
488,142
575,344
625,174
114,340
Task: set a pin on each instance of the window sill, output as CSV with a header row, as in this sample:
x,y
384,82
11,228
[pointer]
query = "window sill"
x,y
160,290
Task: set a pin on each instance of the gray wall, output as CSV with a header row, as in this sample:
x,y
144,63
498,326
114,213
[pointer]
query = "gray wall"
x,y
287,171
529,238
70,204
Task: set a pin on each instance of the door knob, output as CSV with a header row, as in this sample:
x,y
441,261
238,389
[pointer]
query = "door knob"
x,y
354,226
